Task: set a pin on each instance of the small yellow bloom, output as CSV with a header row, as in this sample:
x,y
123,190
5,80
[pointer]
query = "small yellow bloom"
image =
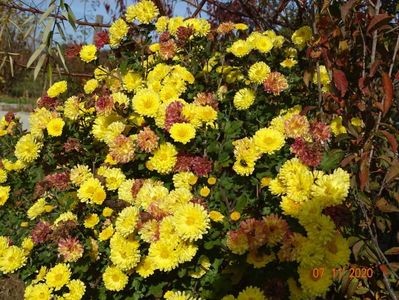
x,y
357,122
88,53
55,126
193,180
216,216
91,221
211,180
204,191
48,208
106,233
265,181
57,88
235,216
288,63
241,26
154,47
107,212
24,224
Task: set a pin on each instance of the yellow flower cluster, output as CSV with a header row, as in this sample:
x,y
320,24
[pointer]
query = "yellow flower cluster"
x,y
248,150
249,292
52,281
57,88
262,42
305,194
201,27
12,257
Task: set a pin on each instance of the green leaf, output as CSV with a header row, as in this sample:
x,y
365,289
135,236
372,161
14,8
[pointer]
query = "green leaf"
x,y
39,65
331,159
35,55
47,13
71,17
156,290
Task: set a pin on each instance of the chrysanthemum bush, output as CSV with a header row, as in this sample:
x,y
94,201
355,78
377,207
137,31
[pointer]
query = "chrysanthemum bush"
x,y
189,167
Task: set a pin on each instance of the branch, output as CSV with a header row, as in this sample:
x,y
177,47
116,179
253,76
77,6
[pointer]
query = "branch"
x,y
199,8
83,75
56,16
161,7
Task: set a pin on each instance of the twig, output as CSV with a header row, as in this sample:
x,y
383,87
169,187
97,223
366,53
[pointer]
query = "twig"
x,y
395,52
315,13
161,7
83,75
199,8
364,53
56,16
204,10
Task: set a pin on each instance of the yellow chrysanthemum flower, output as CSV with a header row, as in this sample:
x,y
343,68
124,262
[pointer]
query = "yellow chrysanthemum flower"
x,y
132,81
182,132
58,276
216,216
92,190
164,158
127,220
315,285
55,126
88,53
192,221
146,102
57,88
163,255
79,174
258,72
240,48
90,86
336,126
125,253
76,290
40,291
91,221
11,259
4,194
27,148
114,279
144,12
244,98
288,63
106,233
146,267
251,293
162,24
37,209
301,36
117,32
268,140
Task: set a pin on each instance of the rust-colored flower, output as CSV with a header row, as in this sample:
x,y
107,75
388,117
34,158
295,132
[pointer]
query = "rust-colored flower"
x,y
40,232
72,144
320,131
147,140
183,34
173,114
275,83
104,105
47,102
121,149
101,39
72,51
225,27
206,99
138,183
201,166
167,49
296,126
276,228
70,249
310,154
59,181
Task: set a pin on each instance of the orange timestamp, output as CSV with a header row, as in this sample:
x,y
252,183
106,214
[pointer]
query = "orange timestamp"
x,y
354,272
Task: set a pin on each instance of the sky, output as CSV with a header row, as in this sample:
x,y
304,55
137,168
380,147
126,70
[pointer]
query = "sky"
x,y
87,10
